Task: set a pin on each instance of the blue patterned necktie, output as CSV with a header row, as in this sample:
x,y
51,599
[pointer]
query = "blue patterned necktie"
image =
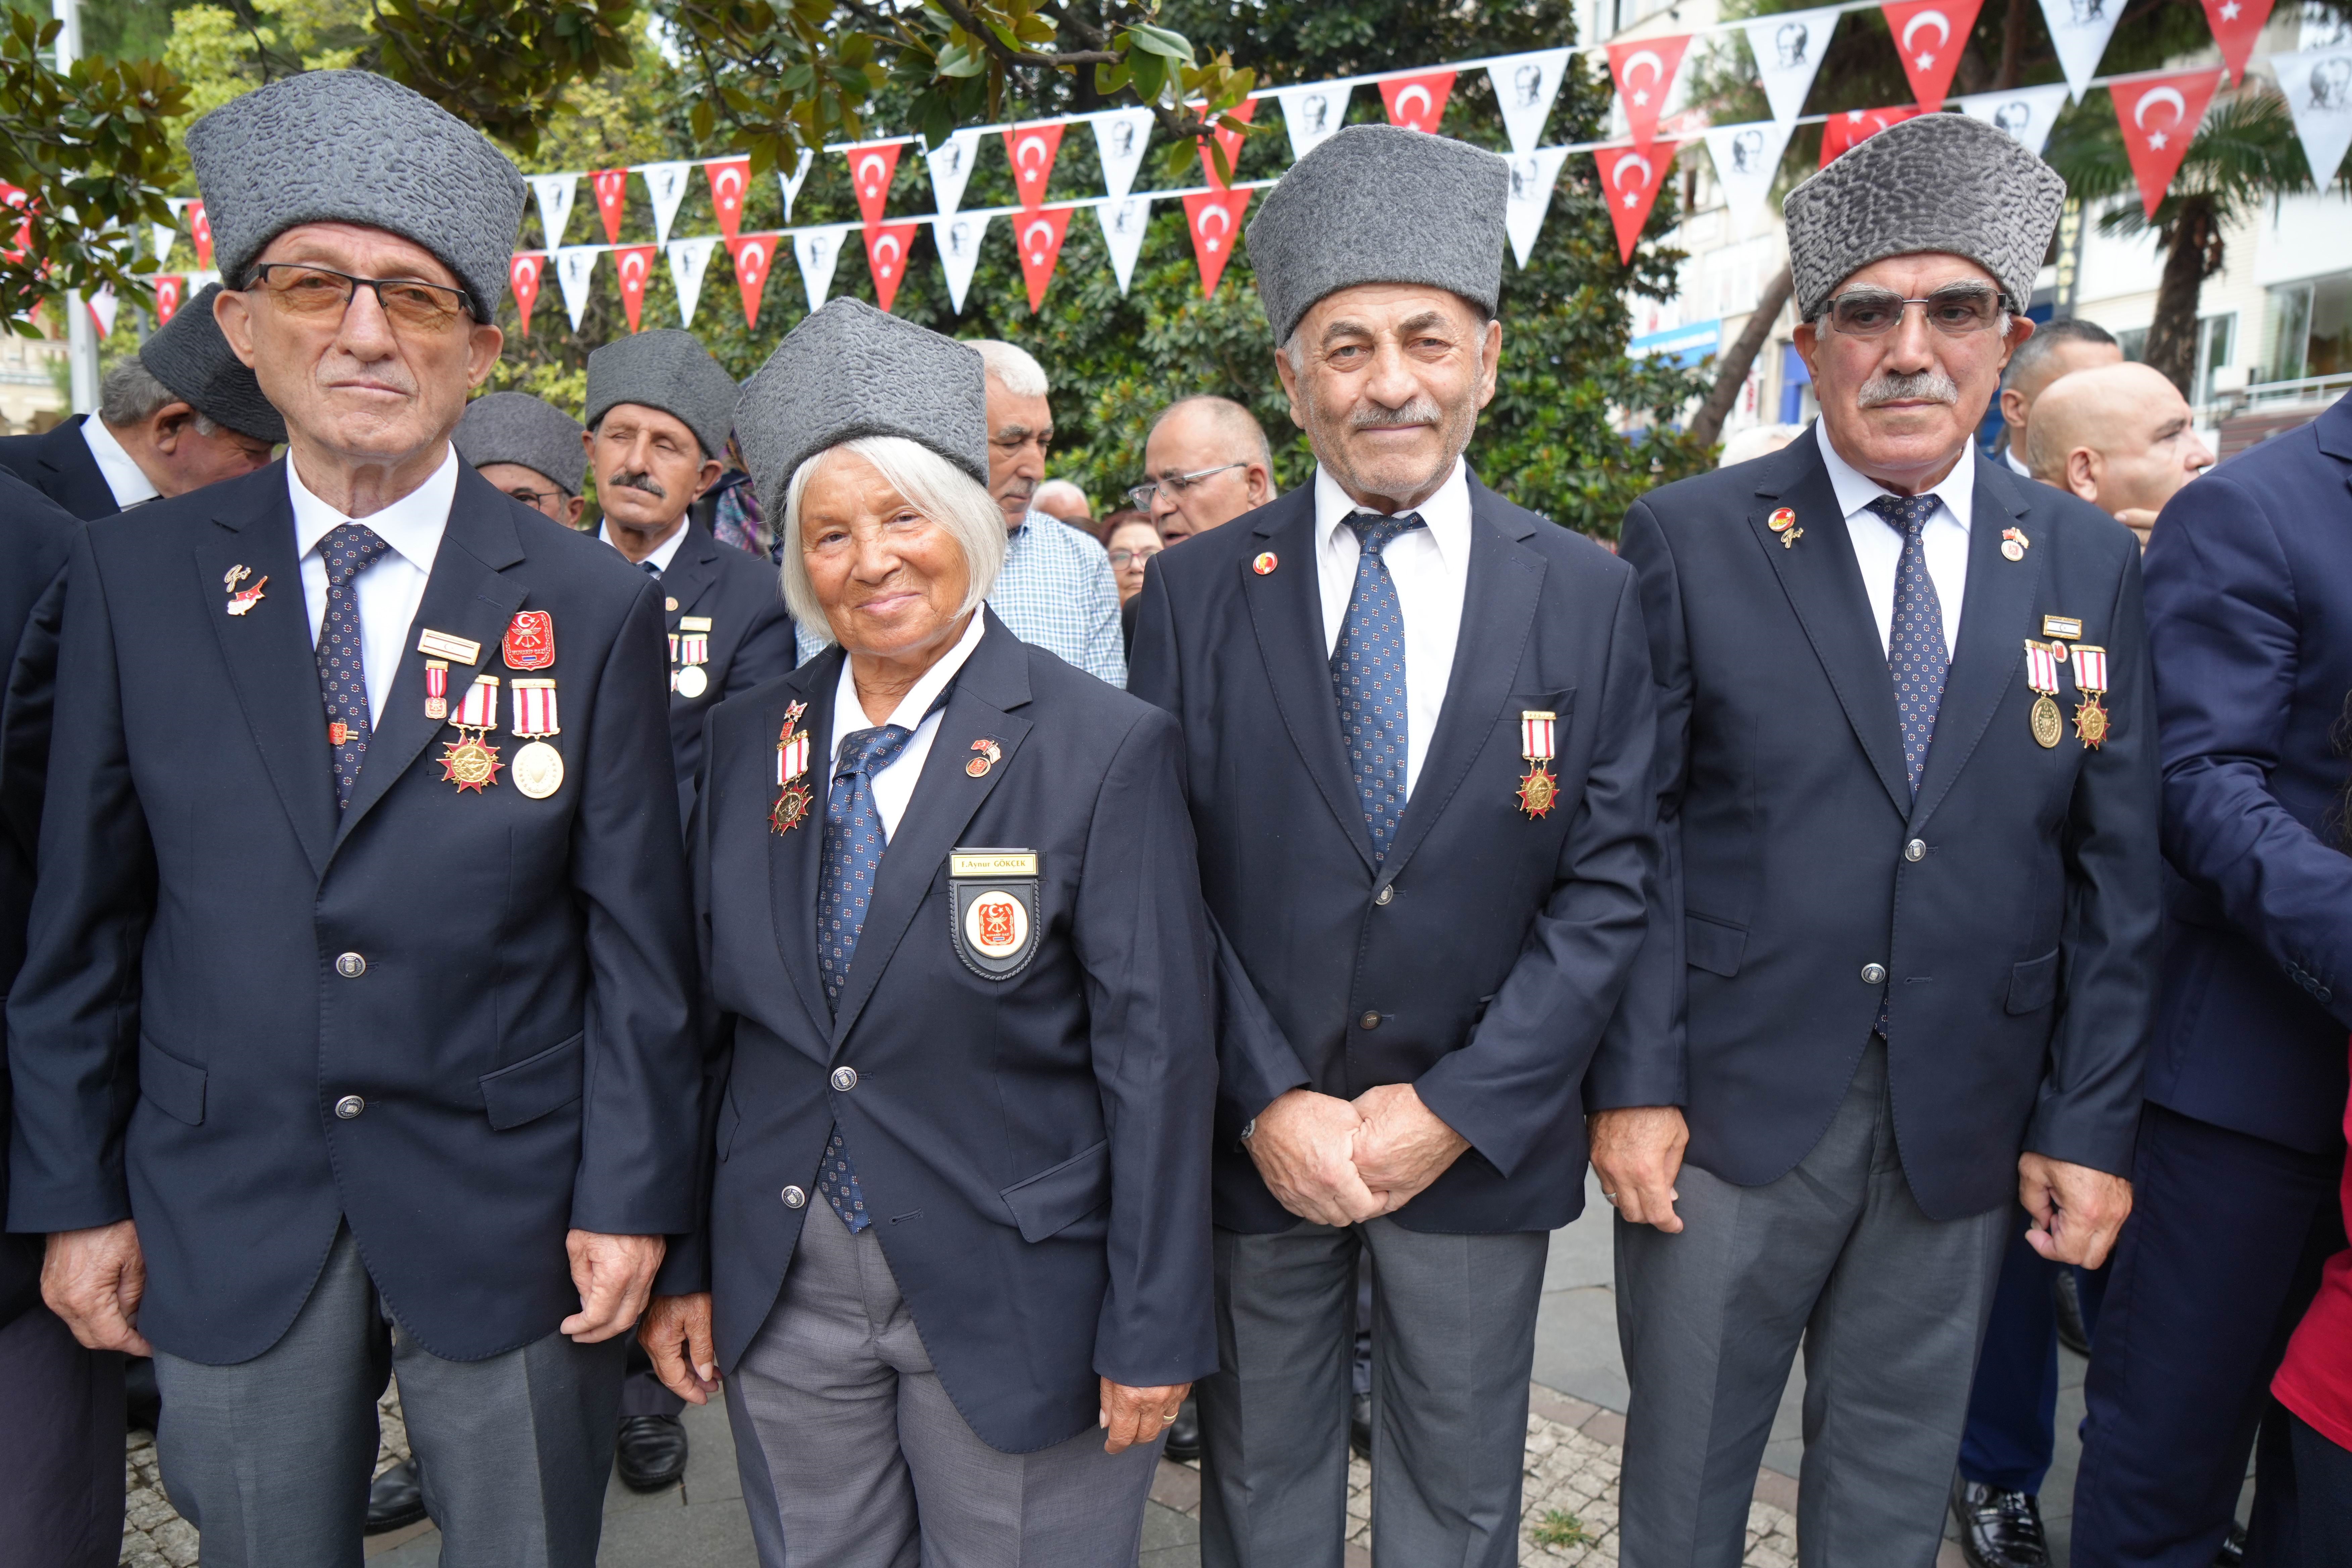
x,y
1916,654
1368,677
852,853
651,570
349,549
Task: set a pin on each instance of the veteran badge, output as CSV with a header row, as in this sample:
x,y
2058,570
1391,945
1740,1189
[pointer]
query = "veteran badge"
x,y
993,906
2014,544
529,641
793,796
690,647
1783,521
436,689
987,753
1538,791
470,761
2042,674
2091,723
240,599
538,767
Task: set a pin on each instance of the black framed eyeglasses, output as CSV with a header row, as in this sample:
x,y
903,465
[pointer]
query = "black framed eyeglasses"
x,y
1955,312
530,497
302,290
1142,495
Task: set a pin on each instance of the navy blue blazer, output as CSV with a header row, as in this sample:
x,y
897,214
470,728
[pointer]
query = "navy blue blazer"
x,y
2250,614
750,637
217,958
1034,1148
1481,960
59,464
2013,903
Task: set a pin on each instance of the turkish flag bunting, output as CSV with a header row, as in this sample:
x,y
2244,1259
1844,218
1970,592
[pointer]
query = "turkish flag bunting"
x,y
200,229
754,254
1930,35
1630,178
634,263
2234,23
1417,102
1215,219
522,277
871,168
1031,150
887,245
1852,125
14,196
2160,115
612,188
169,292
730,181
1643,70
1229,142
1039,235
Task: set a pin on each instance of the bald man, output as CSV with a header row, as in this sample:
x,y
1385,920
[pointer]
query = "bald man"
x,y
2121,437
2057,348
1207,462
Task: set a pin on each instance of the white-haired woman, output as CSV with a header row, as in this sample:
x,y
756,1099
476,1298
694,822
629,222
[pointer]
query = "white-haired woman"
x,y
956,1276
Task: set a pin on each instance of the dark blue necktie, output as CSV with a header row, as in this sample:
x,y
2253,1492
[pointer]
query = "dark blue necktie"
x,y
1916,654
349,549
1367,676
852,854
651,570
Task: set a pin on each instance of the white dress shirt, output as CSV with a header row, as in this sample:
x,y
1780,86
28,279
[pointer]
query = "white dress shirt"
x,y
664,554
390,590
121,470
1878,548
2009,455
1431,568
894,786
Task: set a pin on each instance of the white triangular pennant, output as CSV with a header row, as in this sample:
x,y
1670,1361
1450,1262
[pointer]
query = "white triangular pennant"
x,y
688,260
575,266
1120,136
793,182
2079,30
1313,114
1788,47
1123,221
958,237
166,234
950,165
1533,174
2318,87
2025,112
2321,27
1525,86
1746,159
817,249
101,311
200,281
667,182
554,193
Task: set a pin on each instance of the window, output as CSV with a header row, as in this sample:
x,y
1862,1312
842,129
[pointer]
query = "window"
x,y
2217,344
2311,329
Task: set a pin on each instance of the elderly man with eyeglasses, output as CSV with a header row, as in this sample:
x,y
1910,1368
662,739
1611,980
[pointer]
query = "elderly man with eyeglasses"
x,y
1208,462
1899,973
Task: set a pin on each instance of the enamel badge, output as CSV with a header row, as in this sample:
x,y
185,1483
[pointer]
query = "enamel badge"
x,y
2014,544
993,910
1538,791
2091,679
538,768
240,599
2041,675
793,797
529,641
470,761
1264,562
986,755
1783,521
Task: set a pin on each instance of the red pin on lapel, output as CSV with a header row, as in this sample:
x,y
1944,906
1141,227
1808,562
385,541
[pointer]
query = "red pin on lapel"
x,y
1265,564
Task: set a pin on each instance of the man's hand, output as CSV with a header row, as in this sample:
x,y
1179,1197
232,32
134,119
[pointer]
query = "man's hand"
x,y
1401,1145
1637,1153
676,1336
2076,1210
1305,1147
93,1280
1132,1416
614,1275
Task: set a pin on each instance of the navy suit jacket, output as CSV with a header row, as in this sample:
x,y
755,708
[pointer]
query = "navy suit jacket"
x,y
523,1031
750,637
59,464
1033,1150
2250,614
1480,960
2020,935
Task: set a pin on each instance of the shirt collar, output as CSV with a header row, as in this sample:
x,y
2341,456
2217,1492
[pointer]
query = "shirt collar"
x,y
412,525
1447,514
121,470
1856,490
664,554
849,714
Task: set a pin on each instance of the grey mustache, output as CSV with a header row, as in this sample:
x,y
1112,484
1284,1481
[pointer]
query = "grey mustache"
x,y
1926,385
644,482
1420,411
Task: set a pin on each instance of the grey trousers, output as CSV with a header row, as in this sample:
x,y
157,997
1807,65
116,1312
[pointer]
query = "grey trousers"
x,y
853,1457
1454,1320
1890,1307
270,1458
61,1483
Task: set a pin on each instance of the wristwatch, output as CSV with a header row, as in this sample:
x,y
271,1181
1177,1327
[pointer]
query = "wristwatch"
x,y
1249,1129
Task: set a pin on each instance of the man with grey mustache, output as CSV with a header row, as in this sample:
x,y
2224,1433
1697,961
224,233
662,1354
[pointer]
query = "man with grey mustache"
x,y
1898,976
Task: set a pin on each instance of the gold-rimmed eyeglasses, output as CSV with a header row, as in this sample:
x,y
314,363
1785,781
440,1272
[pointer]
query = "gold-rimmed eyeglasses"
x,y
412,304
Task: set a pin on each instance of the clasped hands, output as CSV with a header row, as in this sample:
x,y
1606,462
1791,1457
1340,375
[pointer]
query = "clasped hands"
x,y
1338,1162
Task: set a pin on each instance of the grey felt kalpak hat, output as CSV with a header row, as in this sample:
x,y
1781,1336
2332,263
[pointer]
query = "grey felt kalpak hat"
x,y
1379,204
1934,182
850,371
670,370
348,147
516,428
190,357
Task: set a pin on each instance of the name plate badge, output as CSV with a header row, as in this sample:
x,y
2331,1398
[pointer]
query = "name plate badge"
x,y
993,909
993,863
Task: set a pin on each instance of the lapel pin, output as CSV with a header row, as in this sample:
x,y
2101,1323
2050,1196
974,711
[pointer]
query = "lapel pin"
x,y
793,797
1783,521
988,753
1264,562
1538,791
240,599
2014,544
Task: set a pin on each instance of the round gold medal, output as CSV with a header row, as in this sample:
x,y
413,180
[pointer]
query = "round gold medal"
x,y
692,683
2091,723
2047,725
792,807
538,770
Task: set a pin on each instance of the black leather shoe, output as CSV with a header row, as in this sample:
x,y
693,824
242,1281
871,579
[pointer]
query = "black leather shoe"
x,y
1359,1426
1184,1432
652,1452
142,1401
2233,1549
1999,1528
396,1498
2067,1297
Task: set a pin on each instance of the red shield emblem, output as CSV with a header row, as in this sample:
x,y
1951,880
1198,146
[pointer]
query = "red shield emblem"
x,y
996,923
531,640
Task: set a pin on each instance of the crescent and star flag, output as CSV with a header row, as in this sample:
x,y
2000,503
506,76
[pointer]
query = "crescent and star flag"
x,y
1630,178
818,251
753,255
790,184
554,193
1214,219
1929,35
1643,70
634,263
1746,159
1039,235
2235,24
957,237
688,260
1123,220
871,167
611,191
2079,33
887,245
1229,144
1031,149
666,183
1789,47
950,165
730,182
522,277
1120,137
575,266
2318,87
1528,197
1417,102
2025,112
1524,87
2160,116
1313,114
169,292
1843,130
200,231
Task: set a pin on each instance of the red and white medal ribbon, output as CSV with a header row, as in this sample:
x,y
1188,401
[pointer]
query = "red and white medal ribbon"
x,y
2041,668
534,707
792,756
1536,737
2091,668
693,647
480,709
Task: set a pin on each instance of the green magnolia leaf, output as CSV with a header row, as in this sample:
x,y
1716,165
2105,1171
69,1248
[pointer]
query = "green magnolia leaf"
x,y
1159,41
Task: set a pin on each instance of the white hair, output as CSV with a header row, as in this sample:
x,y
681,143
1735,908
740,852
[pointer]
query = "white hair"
x,y
935,487
1013,368
1757,441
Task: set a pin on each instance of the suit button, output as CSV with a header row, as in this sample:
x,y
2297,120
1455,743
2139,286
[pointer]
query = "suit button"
x,y
1369,1020
350,1106
794,1198
1915,850
351,966
1874,974
844,1079
1384,895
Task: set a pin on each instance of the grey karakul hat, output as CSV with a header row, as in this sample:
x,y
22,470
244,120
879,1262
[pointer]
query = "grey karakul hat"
x,y
670,370
516,428
1379,204
1934,182
190,357
348,147
850,371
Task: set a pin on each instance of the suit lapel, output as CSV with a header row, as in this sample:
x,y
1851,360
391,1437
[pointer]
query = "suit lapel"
x,y
691,571
796,857
1996,613
1285,608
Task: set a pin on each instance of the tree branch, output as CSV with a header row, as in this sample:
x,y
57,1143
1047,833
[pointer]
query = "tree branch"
x,y
1021,58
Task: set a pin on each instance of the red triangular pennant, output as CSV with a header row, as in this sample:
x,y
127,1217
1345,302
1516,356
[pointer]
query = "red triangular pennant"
x,y
612,188
522,275
634,263
1031,150
13,198
887,245
1039,236
1849,126
1929,35
2160,116
1214,219
169,292
754,254
1630,178
730,181
871,168
1417,102
200,229
2234,25
1644,71
1229,142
